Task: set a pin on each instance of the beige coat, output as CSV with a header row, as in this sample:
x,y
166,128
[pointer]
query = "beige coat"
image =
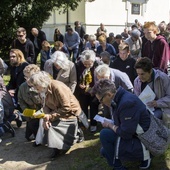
x,y
68,76
60,101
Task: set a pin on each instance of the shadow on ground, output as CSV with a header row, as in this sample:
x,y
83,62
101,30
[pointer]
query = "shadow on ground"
x,y
18,154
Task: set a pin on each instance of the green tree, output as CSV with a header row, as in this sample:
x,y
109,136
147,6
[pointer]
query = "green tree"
x,y
27,14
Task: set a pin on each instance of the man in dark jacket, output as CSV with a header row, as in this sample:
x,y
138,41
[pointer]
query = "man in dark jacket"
x,y
119,140
37,37
124,62
18,63
24,44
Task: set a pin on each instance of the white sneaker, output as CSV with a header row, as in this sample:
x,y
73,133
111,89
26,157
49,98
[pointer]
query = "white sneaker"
x,y
93,128
0,140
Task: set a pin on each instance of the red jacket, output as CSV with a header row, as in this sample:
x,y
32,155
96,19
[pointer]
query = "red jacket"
x,y
158,52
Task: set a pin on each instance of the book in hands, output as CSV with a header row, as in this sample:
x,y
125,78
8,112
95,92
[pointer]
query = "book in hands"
x,y
39,114
29,112
147,95
33,114
102,119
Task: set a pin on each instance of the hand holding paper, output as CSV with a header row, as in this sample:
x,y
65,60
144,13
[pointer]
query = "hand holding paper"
x,y
102,119
147,96
39,114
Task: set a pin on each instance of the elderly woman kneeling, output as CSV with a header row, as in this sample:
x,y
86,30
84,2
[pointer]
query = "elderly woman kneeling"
x,y
61,109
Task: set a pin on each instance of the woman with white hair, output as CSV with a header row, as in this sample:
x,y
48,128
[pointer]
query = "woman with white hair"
x,y
118,77
92,44
85,81
62,69
61,109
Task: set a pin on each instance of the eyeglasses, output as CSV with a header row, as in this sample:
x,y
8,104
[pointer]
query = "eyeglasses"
x,y
101,99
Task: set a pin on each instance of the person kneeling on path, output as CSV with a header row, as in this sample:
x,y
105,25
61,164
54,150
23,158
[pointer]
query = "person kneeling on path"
x,y
61,109
119,140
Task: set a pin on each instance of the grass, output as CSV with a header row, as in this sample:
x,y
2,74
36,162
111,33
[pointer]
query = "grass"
x,y
86,156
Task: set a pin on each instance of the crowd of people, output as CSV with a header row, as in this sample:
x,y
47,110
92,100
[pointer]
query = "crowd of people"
x,y
77,75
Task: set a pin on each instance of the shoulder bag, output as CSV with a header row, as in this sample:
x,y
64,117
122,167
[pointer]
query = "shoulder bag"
x,y
157,138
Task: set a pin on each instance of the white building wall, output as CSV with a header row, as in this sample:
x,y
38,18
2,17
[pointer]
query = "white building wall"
x,y
157,11
59,20
111,13
115,14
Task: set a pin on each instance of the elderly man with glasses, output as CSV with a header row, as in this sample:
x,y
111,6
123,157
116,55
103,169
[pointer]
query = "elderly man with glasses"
x,y
118,77
24,44
119,139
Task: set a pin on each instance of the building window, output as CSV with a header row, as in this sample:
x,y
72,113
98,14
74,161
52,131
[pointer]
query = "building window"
x,y
136,9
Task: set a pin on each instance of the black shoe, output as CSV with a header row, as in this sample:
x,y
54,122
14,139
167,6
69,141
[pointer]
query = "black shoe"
x,y
18,119
9,128
55,153
30,138
18,122
35,145
23,118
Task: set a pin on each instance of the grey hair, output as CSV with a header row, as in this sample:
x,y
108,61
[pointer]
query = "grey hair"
x,y
88,55
59,58
103,70
92,37
40,79
102,86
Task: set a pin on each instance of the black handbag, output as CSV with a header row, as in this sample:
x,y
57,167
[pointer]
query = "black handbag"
x,y
8,105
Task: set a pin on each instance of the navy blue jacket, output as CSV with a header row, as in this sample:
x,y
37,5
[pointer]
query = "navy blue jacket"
x,y
128,113
109,48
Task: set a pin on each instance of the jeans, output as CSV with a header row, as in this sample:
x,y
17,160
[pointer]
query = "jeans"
x,y
108,139
75,54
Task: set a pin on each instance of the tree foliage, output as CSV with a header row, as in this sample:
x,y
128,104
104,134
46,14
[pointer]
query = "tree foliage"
x,y
27,14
